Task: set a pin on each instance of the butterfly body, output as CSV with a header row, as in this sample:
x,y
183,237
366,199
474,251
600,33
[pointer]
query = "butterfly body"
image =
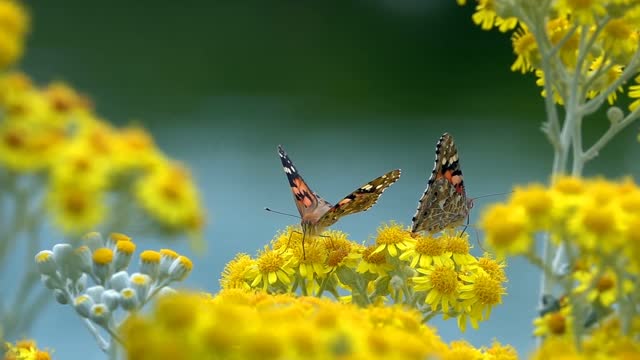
x,y
318,214
444,203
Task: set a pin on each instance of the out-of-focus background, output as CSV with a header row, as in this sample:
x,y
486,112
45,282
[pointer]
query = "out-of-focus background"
x,y
351,88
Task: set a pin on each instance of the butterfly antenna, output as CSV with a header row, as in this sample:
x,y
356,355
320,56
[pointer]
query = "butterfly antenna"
x,y
488,195
282,213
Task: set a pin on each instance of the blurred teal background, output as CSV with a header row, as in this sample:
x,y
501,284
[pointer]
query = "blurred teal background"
x,y
351,88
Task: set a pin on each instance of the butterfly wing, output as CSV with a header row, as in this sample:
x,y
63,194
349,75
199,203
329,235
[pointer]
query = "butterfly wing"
x,y
361,199
309,204
444,202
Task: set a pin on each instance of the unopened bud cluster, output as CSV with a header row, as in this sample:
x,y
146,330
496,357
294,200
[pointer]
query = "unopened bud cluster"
x,y
67,270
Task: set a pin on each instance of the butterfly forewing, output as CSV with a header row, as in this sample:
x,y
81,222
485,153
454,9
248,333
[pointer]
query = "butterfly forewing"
x,y
444,202
310,205
361,199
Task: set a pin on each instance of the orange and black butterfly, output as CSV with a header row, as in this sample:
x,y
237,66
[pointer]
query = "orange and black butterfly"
x,y
444,203
316,213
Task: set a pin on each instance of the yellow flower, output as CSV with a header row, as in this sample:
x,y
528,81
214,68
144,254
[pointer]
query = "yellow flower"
x,y
498,351
393,238
537,202
427,250
555,324
479,294
620,38
14,19
507,229
582,11
492,267
77,164
458,246
76,209
10,49
597,227
557,348
462,350
373,262
526,50
485,14
341,251
557,98
634,93
28,146
557,30
25,350
442,286
240,325
170,196
236,272
604,80
272,269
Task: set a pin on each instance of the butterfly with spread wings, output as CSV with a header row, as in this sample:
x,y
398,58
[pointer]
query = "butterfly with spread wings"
x,y
316,213
444,203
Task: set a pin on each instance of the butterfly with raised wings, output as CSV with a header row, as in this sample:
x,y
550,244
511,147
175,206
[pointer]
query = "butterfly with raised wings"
x,y
444,203
316,213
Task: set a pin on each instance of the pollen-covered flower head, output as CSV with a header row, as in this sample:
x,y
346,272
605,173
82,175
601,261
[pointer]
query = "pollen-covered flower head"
x,y
392,239
426,250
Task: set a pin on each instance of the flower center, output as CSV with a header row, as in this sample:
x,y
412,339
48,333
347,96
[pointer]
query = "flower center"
x,y
444,280
457,245
377,258
427,245
606,282
488,290
270,262
557,323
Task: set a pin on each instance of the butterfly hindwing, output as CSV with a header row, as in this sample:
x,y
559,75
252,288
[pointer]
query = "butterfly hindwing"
x,y
444,202
361,199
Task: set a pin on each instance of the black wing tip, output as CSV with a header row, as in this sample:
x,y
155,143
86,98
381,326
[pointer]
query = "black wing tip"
x,y
281,149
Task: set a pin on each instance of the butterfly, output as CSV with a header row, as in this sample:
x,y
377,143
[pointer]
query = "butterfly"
x,y
316,213
444,203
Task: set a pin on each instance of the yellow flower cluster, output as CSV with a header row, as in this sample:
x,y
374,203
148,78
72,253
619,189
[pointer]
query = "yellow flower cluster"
x,y
91,169
596,221
14,25
598,217
401,268
605,342
237,324
609,28
25,350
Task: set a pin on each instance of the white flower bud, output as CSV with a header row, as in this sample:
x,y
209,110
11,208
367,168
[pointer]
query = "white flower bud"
x,y
81,283
45,262
110,298
180,268
61,296
168,256
166,291
93,240
100,314
615,114
119,280
141,284
83,304
95,292
129,299
50,282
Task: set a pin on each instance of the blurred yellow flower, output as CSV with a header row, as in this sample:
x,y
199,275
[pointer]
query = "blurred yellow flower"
x,y
170,196
507,229
76,209
237,324
237,272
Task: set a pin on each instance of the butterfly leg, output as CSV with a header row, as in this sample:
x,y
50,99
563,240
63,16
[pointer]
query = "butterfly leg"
x,y
330,239
289,241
